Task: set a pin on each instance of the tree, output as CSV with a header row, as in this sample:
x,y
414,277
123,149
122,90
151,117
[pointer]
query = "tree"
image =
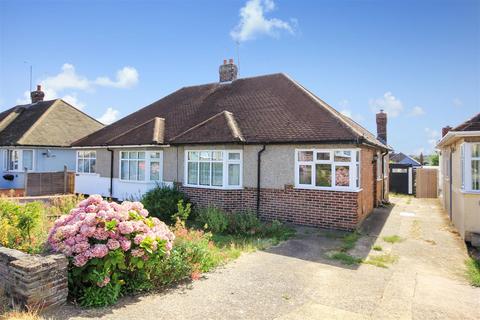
x,y
421,160
434,158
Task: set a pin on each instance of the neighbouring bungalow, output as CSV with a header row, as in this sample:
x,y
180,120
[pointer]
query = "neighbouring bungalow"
x,y
36,137
401,158
264,143
460,177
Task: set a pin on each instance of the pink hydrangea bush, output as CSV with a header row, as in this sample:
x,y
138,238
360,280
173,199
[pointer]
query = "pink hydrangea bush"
x,y
110,244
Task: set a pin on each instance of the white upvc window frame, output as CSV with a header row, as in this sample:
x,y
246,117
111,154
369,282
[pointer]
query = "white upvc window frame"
x,y
467,183
148,160
352,164
225,167
20,167
78,157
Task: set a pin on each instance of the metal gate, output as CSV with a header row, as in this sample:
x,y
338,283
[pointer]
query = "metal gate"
x,y
401,178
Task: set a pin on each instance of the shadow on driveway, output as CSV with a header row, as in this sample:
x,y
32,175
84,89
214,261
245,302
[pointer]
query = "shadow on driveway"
x,y
316,245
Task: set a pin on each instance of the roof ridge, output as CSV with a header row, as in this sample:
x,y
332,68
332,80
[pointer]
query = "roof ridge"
x,y
466,123
140,125
231,123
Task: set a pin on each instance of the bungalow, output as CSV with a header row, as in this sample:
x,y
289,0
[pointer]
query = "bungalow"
x,y
264,143
460,177
36,137
401,158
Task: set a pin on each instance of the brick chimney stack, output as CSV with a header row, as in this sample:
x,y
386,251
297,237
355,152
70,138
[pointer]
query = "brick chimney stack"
x,y
382,126
37,95
228,71
445,130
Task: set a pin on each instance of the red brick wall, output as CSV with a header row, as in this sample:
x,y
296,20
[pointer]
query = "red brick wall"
x,y
319,208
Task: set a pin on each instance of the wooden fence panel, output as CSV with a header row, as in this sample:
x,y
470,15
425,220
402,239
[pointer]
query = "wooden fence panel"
x,y
426,183
49,183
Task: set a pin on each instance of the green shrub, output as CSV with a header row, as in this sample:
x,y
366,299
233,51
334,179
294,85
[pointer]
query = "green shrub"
x,y
243,223
473,271
276,230
23,226
192,253
183,211
213,219
162,202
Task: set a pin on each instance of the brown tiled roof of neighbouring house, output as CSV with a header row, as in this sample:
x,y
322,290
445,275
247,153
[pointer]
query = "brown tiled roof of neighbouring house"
x,y
264,109
472,124
45,123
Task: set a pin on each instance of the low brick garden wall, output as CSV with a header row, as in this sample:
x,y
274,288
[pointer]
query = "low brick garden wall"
x,y
32,281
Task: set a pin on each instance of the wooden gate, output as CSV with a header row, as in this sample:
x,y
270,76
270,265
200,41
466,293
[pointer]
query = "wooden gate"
x,y
426,183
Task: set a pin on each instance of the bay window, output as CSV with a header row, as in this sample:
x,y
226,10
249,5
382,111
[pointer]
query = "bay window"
x,y
18,160
470,167
86,161
327,169
213,168
141,166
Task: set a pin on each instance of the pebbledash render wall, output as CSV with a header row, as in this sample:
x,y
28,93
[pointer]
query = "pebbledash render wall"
x,y
31,281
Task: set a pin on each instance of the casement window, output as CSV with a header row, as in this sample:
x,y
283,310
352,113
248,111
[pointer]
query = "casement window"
x,y
213,168
18,160
337,169
141,165
470,167
86,161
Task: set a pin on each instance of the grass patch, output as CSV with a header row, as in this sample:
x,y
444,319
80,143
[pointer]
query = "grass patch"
x,y
473,271
392,239
345,258
381,261
234,245
377,248
349,241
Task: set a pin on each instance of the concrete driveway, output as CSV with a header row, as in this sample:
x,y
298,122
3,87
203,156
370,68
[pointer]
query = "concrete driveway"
x,y
298,280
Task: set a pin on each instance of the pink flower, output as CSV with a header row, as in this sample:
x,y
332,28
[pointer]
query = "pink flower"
x,y
125,227
137,252
81,247
99,250
169,245
113,244
100,234
80,260
103,283
138,239
143,213
125,244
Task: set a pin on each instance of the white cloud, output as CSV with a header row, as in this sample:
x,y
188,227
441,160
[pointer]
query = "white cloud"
x,y
253,22
73,100
110,116
417,111
59,85
346,112
457,102
126,78
389,103
66,79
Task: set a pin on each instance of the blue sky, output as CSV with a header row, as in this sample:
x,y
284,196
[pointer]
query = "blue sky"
x,y
419,60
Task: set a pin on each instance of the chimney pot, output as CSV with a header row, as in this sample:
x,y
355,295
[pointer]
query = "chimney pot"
x,y
37,95
382,126
445,130
228,72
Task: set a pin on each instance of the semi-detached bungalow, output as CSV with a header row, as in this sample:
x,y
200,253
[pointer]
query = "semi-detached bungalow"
x,y
36,137
263,143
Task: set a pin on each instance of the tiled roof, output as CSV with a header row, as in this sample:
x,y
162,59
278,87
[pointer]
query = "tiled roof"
x,y
472,124
263,109
45,123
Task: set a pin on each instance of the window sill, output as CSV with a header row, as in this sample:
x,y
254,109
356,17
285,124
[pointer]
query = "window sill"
x,y
141,181
470,192
212,187
328,189
87,174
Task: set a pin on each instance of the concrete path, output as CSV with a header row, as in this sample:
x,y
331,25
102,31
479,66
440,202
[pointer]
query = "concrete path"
x,y
297,279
